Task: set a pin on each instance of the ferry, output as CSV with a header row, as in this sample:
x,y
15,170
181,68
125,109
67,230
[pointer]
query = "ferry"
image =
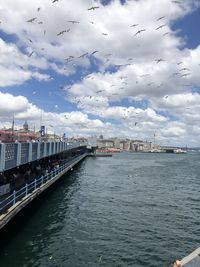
x,y
180,151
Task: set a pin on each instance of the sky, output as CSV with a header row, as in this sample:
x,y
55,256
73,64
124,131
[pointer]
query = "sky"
x,y
127,69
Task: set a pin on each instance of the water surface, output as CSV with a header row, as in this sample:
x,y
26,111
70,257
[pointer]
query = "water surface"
x,y
129,210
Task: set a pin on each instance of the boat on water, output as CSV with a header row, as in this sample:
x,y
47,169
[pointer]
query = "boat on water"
x,y
156,151
180,151
103,153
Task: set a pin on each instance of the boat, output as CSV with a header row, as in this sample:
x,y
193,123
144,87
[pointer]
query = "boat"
x,y
179,151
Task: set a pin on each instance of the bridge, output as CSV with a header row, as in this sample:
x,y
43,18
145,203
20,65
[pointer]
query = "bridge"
x,y
17,156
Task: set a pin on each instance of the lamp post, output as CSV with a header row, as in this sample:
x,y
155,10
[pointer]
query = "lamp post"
x,y
13,126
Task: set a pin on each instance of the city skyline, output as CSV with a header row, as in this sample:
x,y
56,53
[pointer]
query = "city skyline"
x,y
117,68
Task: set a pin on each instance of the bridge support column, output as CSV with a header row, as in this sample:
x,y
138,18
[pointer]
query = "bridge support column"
x,y
54,148
45,149
30,152
38,150
19,146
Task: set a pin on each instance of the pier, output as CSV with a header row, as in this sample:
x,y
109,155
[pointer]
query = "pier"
x,y
48,162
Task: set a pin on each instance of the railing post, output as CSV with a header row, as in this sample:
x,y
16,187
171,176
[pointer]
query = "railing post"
x,y
26,189
35,184
14,197
2,157
42,179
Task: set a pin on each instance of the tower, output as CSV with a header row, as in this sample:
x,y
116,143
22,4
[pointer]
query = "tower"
x,y
25,126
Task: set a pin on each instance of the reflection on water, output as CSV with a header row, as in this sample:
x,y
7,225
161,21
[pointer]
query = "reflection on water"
x,y
128,210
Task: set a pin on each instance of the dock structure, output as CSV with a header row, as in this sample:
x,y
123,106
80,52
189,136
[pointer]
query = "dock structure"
x,y
16,156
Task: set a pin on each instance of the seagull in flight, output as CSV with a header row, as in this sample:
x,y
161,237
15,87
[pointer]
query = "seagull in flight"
x,y
74,21
54,1
183,69
104,34
93,7
134,25
31,54
138,32
159,60
94,52
161,26
186,74
164,34
83,55
99,91
31,20
160,18
62,32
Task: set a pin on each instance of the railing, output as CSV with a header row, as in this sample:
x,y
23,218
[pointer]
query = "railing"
x,y
16,154
17,195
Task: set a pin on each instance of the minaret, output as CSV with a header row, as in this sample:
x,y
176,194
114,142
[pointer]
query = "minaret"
x,y
25,126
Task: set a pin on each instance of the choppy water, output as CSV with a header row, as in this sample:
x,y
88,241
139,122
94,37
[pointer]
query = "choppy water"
x,y
128,210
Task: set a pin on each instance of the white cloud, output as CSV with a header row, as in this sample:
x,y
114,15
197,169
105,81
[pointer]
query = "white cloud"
x,y
14,65
152,67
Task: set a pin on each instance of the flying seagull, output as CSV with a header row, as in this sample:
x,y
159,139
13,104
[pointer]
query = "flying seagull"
x,y
186,74
160,18
183,69
134,25
159,60
31,54
83,55
161,26
138,32
31,20
74,21
93,7
94,52
164,34
62,32
99,91
54,1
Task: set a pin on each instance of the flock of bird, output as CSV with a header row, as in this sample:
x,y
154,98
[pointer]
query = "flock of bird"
x,y
181,72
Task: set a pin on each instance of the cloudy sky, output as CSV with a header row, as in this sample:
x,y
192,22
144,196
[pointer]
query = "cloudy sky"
x,y
118,68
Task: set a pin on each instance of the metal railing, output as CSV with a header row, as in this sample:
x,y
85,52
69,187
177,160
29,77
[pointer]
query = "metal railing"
x,y
29,188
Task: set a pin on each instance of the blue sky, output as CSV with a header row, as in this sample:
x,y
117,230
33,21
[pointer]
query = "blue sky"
x,y
150,77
